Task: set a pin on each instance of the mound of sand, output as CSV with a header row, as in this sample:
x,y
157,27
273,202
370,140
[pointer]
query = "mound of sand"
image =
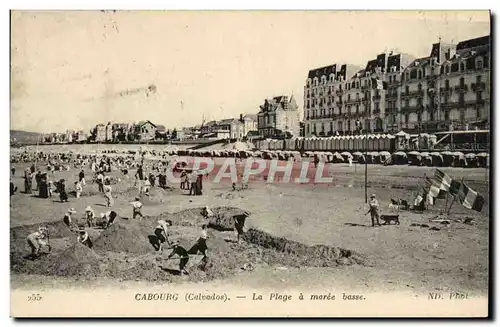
x,y
292,253
125,236
77,260
57,229
223,218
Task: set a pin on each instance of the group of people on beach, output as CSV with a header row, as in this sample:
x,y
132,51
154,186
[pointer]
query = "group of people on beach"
x,y
100,167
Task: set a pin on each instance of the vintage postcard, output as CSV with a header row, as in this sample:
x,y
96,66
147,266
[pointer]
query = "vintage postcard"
x,y
250,163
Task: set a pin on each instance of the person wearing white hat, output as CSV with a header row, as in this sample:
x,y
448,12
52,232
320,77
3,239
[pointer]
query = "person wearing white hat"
x,y
373,211
90,216
207,213
67,217
109,218
136,208
36,241
84,238
108,196
78,189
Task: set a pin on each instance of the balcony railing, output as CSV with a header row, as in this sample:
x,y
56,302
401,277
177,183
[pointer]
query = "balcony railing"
x,y
419,93
478,86
339,92
391,96
376,111
445,90
376,97
339,103
407,109
452,105
461,88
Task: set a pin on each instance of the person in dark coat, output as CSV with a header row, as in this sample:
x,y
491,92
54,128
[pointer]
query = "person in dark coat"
x,y
239,224
84,238
43,191
81,177
183,254
201,244
37,180
63,196
199,185
27,181
162,180
13,171
152,179
13,188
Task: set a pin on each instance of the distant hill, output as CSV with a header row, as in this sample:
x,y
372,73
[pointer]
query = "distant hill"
x,y
23,137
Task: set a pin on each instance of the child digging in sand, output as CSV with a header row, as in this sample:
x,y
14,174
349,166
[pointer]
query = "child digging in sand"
x,y
136,208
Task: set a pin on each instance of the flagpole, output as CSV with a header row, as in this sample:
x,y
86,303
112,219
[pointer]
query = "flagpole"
x,y
446,204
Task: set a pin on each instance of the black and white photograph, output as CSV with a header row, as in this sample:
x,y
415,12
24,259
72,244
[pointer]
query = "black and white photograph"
x,y
169,163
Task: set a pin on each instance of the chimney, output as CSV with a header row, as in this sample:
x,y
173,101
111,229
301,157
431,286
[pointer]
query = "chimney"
x,y
241,117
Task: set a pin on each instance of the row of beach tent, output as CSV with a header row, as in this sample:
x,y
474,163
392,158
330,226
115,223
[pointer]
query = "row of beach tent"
x,y
434,159
372,142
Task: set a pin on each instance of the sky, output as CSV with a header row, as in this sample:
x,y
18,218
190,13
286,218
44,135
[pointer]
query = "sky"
x,y
68,68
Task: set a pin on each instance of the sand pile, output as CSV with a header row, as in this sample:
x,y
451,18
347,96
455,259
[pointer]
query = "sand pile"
x,y
223,218
125,236
57,229
188,217
77,260
295,254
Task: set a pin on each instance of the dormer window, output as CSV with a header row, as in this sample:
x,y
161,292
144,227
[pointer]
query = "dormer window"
x,y
479,63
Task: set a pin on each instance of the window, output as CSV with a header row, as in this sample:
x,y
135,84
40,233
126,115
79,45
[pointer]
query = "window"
x,y
407,118
419,117
478,79
407,90
479,63
431,116
419,74
357,96
331,126
446,115
447,84
462,81
462,66
479,96
419,87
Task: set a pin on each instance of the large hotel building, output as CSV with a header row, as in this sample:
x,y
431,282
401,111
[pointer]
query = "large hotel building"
x,y
449,89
